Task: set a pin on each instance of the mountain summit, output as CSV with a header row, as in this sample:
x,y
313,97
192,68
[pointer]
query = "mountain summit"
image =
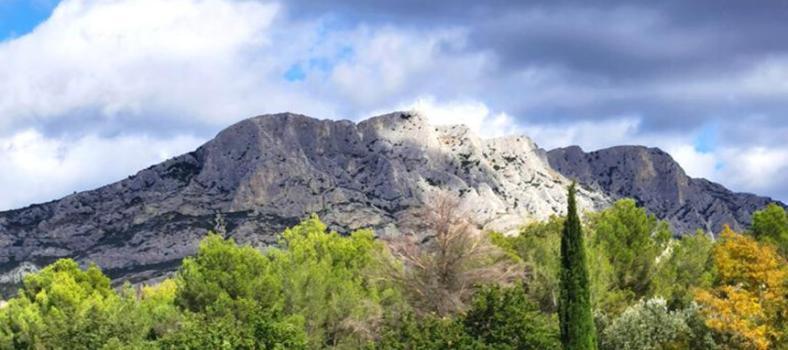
x,y
269,172
266,173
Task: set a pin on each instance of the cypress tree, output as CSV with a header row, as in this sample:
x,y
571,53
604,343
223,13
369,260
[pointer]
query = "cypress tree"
x,y
574,309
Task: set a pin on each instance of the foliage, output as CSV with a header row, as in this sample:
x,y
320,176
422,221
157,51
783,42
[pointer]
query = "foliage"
x,y
315,277
446,286
328,279
498,318
688,265
574,308
747,304
771,225
440,267
427,332
505,319
647,325
63,306
630,240
234,300
538,245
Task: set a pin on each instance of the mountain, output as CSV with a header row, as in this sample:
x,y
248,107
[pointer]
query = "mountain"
x,y
657,182
266,173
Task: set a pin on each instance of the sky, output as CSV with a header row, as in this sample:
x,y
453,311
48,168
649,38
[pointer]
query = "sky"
x,y
91,91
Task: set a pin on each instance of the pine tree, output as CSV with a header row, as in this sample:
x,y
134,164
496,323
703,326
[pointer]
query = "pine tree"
x,y
574,310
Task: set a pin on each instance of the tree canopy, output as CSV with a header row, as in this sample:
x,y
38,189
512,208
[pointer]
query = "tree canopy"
x,y
616,280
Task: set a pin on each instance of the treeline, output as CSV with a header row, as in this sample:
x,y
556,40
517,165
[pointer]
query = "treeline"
x,y
446,286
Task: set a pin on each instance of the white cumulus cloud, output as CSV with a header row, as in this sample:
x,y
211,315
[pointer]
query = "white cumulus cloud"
x,y
38,168
102,77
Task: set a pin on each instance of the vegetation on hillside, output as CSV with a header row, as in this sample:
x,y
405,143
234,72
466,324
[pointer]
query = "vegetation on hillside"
x,y
442,285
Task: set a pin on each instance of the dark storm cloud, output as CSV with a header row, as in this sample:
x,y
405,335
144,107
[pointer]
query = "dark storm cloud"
x,y
636,49
589,34
678,67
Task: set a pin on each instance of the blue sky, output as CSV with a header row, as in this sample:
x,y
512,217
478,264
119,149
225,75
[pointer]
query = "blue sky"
x,y
18,17
133,82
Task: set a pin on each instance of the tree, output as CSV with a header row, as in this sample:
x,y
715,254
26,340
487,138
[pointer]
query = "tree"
x,y
647,325
574,308
234,300
64,306
747,304
688,265
407,331
503,318
331,280
439,267
498,318
538,245
631,241
771,225
316,285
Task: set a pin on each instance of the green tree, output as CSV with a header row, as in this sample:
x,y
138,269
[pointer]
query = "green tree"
x,y
631,241
330,280
234,299
574,308
63,306
499,318
316,281
504,318
407,330
771,225
688,266
538,245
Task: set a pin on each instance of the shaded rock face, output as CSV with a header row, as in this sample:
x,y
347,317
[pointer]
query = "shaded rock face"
x,y
266,173
657,182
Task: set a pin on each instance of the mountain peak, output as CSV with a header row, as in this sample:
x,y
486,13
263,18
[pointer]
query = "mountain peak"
x,y
265,173
657,182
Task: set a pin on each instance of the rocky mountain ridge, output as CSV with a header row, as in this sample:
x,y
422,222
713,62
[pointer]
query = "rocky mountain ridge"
x,y
266,173
263,174
658,183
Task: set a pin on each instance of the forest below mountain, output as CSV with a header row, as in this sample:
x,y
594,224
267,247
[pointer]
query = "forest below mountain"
x,y
443,284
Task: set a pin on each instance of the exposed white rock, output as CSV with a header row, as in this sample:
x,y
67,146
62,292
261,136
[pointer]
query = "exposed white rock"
x,y
265,173
269,172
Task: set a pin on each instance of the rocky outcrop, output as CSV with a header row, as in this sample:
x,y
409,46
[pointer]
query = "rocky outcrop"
x,y
657,182
9,280
266,173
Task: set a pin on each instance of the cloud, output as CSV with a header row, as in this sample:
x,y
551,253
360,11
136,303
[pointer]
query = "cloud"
x,y
145,57
750,168
110,72
756,169
476,115
561,72
38,168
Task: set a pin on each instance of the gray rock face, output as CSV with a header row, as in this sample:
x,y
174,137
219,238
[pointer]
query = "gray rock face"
x,y
266,173
11,279
657,182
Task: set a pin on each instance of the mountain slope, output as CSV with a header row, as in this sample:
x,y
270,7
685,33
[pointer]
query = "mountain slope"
x,y
657,182
265,173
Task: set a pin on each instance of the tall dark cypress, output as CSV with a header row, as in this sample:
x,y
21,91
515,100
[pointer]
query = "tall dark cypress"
x,y
574,309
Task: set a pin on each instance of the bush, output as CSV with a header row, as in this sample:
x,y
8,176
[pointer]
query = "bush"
x,y
647,325
504,319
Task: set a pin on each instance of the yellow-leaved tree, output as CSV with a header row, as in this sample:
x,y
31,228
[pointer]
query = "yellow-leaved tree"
x,y
746,306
